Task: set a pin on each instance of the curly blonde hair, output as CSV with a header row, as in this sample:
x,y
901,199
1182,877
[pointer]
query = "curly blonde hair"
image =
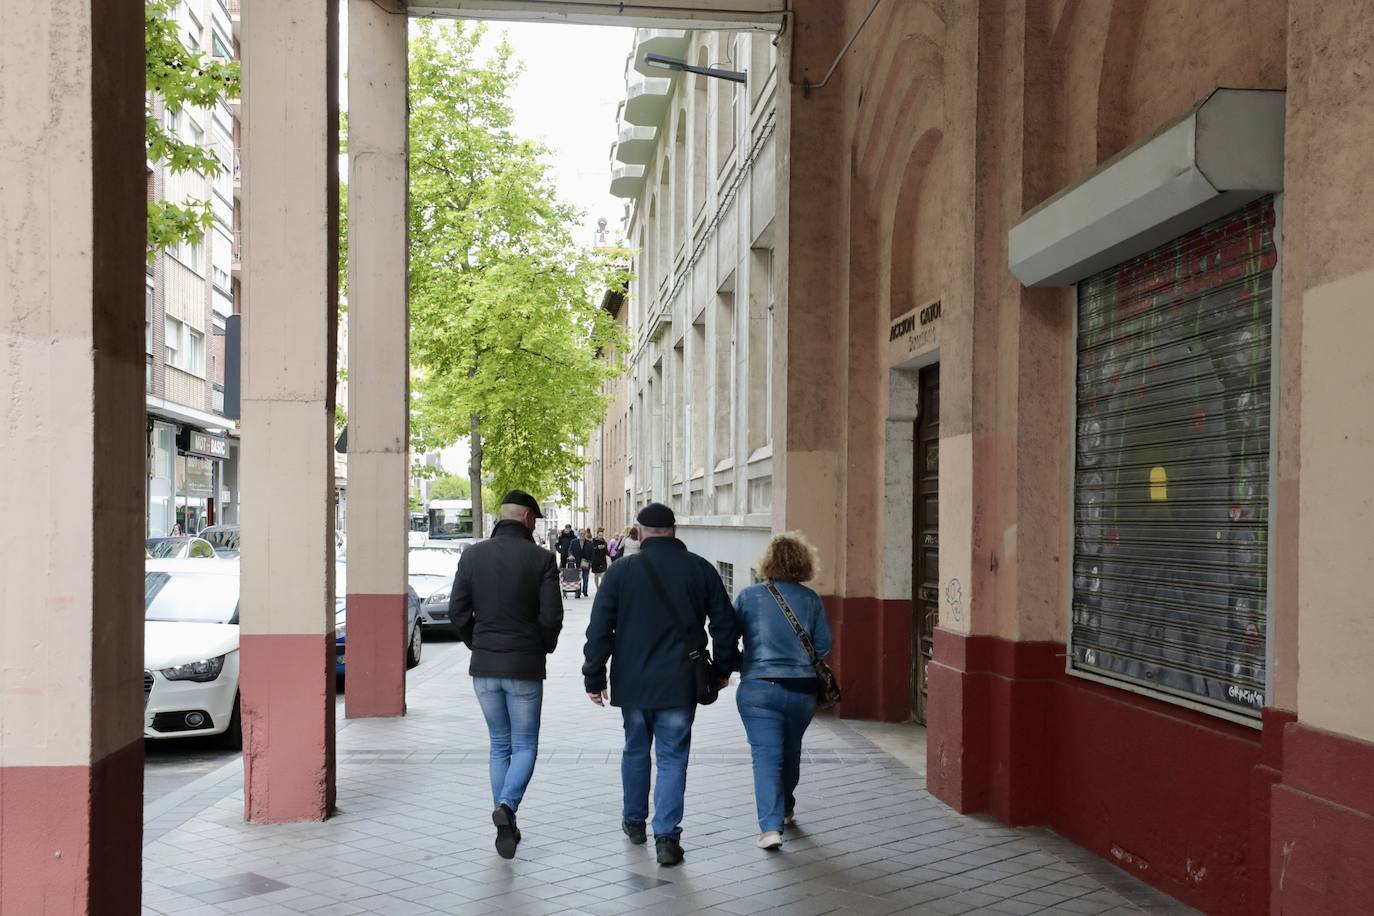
x,y
789,557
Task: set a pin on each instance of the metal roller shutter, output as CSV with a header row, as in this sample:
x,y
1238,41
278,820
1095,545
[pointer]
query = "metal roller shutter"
x,y
1171,478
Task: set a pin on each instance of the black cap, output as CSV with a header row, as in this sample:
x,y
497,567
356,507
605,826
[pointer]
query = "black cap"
x,y
521,498
656,515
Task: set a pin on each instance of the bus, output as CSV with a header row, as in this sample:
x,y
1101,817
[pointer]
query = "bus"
x,y
450,519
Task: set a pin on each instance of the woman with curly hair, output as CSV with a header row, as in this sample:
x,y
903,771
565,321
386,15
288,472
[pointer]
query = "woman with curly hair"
x,y
777,689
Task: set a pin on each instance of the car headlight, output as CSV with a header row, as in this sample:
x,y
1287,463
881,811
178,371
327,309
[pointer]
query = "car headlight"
x,y
200,672
437,598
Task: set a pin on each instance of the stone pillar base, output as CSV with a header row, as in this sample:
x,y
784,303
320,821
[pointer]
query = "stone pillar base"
x,y
69,836
375,660
872,657
287,704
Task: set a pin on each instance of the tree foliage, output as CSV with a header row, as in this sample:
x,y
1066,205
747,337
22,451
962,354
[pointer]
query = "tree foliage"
x,y
505,319
180,78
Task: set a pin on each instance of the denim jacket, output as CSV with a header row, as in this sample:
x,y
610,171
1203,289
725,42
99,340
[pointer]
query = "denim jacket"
x,y
771,646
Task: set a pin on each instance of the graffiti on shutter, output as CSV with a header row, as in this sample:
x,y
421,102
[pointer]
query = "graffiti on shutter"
x,y
1171,482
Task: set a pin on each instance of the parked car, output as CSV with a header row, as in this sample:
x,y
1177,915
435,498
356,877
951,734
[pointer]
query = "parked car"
x,y
180,547
431,576
224,539
191,650
414,640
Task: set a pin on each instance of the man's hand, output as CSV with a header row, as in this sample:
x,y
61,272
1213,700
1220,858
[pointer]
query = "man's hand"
x,y
599,698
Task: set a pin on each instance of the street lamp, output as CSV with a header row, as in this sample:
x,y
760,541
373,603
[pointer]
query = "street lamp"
x,y
663,62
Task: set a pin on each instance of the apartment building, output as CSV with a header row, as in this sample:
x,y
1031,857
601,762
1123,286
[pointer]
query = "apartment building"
x,y
691,424
192,300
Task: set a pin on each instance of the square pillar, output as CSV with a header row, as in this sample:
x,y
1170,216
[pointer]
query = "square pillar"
x,y
378,361
290,312
72,230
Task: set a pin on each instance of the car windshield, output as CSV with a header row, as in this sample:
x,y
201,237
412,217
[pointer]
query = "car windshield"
x,y
434,562
165,548
427,585
188,597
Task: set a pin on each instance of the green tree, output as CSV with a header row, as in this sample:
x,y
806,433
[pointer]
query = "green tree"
x,y
450,486
181,78
505,320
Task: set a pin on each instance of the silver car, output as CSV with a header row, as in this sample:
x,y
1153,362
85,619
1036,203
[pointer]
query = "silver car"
x,y
431,575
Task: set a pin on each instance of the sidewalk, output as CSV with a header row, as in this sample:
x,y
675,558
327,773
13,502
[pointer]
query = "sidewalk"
x,y
413,833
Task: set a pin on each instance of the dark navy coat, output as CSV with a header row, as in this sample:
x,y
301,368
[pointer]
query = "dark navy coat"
x,y
640,637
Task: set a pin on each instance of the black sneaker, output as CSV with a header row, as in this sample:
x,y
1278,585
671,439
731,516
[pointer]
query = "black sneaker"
x,y
507,836
669,850
635,831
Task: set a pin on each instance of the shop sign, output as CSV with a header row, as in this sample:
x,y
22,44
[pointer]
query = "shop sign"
x,y
200,477
196,443
913,333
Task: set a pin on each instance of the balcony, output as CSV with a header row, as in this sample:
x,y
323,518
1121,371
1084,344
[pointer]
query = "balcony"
x,y
236,256
235,15
627,181
668,42
635,145
646,99
238,173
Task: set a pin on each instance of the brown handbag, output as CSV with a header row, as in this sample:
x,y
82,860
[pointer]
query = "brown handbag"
x,y
827,685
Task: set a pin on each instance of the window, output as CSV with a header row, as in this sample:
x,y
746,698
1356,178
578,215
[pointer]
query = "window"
x,y
723,377
727,575
171,341
148,319
1172,465
195,352
726,101
760,343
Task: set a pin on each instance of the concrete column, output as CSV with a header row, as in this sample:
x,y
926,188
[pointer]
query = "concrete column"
x,y
378,361
290,279
71,455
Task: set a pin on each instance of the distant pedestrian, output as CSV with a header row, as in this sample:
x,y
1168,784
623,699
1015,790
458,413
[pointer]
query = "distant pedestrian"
x,y
600,556
777,688
565,539
581,553
507,609
176,531
649,617
629,542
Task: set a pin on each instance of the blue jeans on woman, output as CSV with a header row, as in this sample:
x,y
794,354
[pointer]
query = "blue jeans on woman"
x,y
671,730
775,719
511,708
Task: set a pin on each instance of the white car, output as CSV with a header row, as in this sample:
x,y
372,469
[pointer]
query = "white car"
x,y
191,650
431,575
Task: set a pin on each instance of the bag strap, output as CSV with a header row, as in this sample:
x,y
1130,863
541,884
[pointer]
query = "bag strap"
x,y
792,619
684,630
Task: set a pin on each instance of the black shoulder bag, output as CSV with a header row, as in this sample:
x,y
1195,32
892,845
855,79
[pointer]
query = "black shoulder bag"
x,y
703,668
827,685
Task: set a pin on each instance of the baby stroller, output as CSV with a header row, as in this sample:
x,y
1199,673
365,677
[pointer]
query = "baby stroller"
x,y
570,579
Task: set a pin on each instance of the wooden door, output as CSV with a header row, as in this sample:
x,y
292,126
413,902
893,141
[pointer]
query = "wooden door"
x,y
925,579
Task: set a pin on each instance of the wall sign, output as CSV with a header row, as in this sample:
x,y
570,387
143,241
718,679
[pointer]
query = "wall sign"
x,y
913,333
195,443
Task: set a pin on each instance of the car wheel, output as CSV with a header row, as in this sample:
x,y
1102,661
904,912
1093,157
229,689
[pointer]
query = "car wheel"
x,y
413,651
232,737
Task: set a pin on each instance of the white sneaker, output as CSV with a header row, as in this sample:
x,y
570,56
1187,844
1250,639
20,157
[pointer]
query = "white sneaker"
x,y
770,840
789,820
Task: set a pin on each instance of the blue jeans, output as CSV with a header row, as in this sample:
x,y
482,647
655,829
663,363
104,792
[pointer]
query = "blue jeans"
x,y
586,574
511,708
775,719
672,730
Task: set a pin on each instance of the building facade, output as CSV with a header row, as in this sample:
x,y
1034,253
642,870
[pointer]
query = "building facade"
x,y
692,423
191,301
1082,282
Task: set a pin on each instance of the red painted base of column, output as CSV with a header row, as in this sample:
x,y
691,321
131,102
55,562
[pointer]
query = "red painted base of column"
x,y
287,701
1322,833
71,836
872,656
375,659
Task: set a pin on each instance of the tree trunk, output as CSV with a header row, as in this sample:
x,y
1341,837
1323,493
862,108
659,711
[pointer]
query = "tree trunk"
x,y
475,479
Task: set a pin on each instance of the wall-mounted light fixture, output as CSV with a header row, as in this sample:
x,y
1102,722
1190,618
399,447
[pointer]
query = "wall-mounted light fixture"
x,y
672,63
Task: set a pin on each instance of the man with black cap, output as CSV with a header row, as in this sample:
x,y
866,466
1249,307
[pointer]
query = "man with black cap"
x,y
649,607
506,607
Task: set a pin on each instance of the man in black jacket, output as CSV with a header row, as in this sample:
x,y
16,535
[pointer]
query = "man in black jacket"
x,y
506,607
652,677
565,539
582,554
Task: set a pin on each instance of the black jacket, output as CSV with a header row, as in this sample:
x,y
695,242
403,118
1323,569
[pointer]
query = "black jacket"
x,y
600,556
564,539
505,604
642,638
